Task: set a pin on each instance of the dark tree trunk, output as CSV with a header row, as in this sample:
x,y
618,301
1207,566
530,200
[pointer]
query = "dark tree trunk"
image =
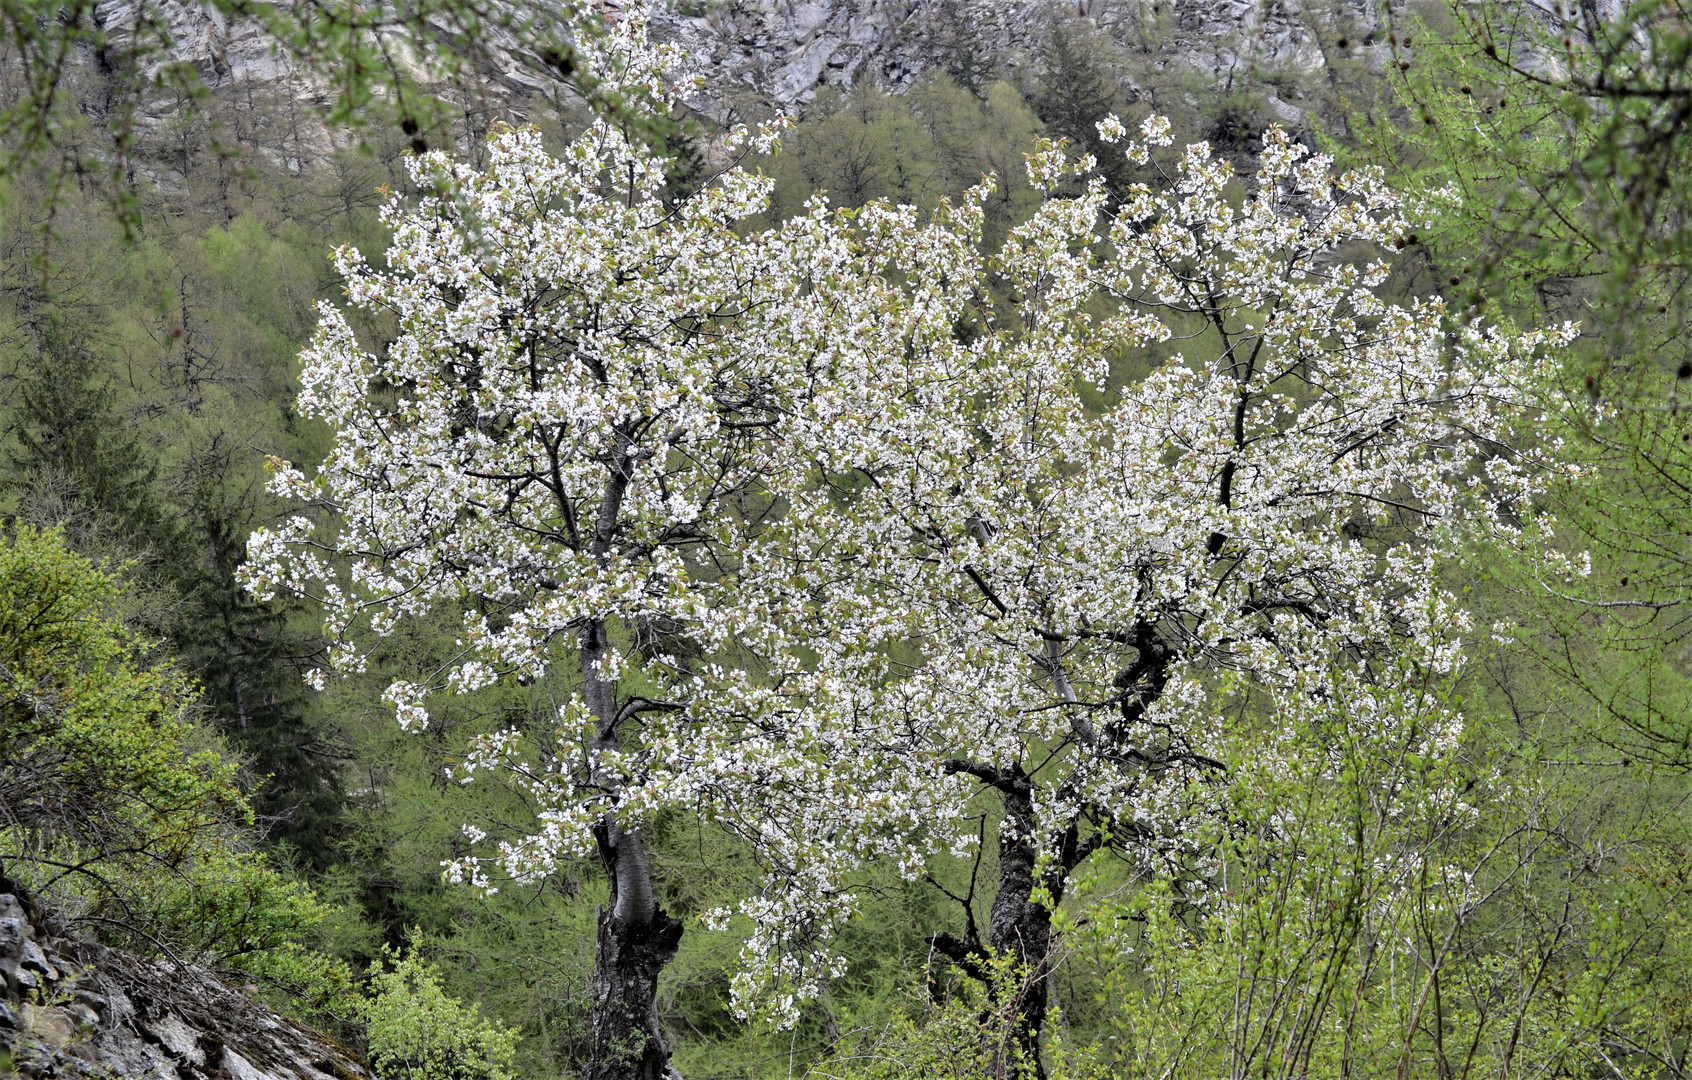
x,y
637,940
1020,925
1020,921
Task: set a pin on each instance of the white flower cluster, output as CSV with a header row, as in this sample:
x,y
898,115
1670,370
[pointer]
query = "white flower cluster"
x,y
1042,576
911,555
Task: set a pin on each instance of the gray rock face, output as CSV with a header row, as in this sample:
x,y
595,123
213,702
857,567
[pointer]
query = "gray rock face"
x,y
777,53
758,56
73,1009
224,51
763,55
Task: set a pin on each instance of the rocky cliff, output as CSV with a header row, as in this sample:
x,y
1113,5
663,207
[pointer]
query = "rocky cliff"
x,y
757,56
779,52
76,1009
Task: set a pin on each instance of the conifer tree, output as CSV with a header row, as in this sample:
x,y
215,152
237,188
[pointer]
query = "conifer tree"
x,y
1074,92
248,661
74,452
76,462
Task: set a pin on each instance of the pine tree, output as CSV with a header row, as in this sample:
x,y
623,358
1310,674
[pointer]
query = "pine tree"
x,y
964,55
1074,93
247,660
77,463
73,455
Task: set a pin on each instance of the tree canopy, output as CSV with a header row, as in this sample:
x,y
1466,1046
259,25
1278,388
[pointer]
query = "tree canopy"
x,y
828,561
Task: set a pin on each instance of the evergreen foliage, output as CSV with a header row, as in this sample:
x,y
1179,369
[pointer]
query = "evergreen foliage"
x,y
933,141
1076,91
79,460
249,662
73,452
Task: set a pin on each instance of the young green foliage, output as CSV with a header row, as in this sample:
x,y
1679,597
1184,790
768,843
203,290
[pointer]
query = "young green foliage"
x,y
414,1031
118,809
1562,138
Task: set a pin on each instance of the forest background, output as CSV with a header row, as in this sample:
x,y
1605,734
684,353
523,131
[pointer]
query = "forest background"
x,y
151,317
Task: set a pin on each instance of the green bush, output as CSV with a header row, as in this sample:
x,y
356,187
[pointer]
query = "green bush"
x,y
415,1031
116,809
107,785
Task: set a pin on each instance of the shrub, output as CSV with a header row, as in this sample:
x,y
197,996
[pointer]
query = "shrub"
x,y
414,1030
116,808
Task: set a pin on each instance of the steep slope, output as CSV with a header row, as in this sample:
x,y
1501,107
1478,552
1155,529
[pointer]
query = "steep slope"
x,y
758,56
75,1009
777,53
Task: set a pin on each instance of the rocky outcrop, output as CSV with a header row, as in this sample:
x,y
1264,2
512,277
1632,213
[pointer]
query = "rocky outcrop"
x,y
778,53
75,1009
763,55
752,58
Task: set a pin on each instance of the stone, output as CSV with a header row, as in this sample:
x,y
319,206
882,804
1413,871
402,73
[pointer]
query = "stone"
x,y
18,979
177,1037
12,935
754,56
94,1002
239,1068
33,959
47,1025
1289,114
129,1016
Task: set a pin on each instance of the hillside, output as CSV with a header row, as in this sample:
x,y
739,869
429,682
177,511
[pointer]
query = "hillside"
x,y
755,58
620,601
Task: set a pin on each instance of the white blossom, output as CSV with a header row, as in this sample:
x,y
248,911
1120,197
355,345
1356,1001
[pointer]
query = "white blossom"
x,y
904,557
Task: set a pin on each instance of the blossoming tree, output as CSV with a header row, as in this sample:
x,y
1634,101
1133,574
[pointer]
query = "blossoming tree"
x,y
1058,586
576,439
911,562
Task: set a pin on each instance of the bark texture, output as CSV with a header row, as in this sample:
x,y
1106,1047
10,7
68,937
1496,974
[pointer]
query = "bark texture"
x,y
1020,925
628,1043
637,940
